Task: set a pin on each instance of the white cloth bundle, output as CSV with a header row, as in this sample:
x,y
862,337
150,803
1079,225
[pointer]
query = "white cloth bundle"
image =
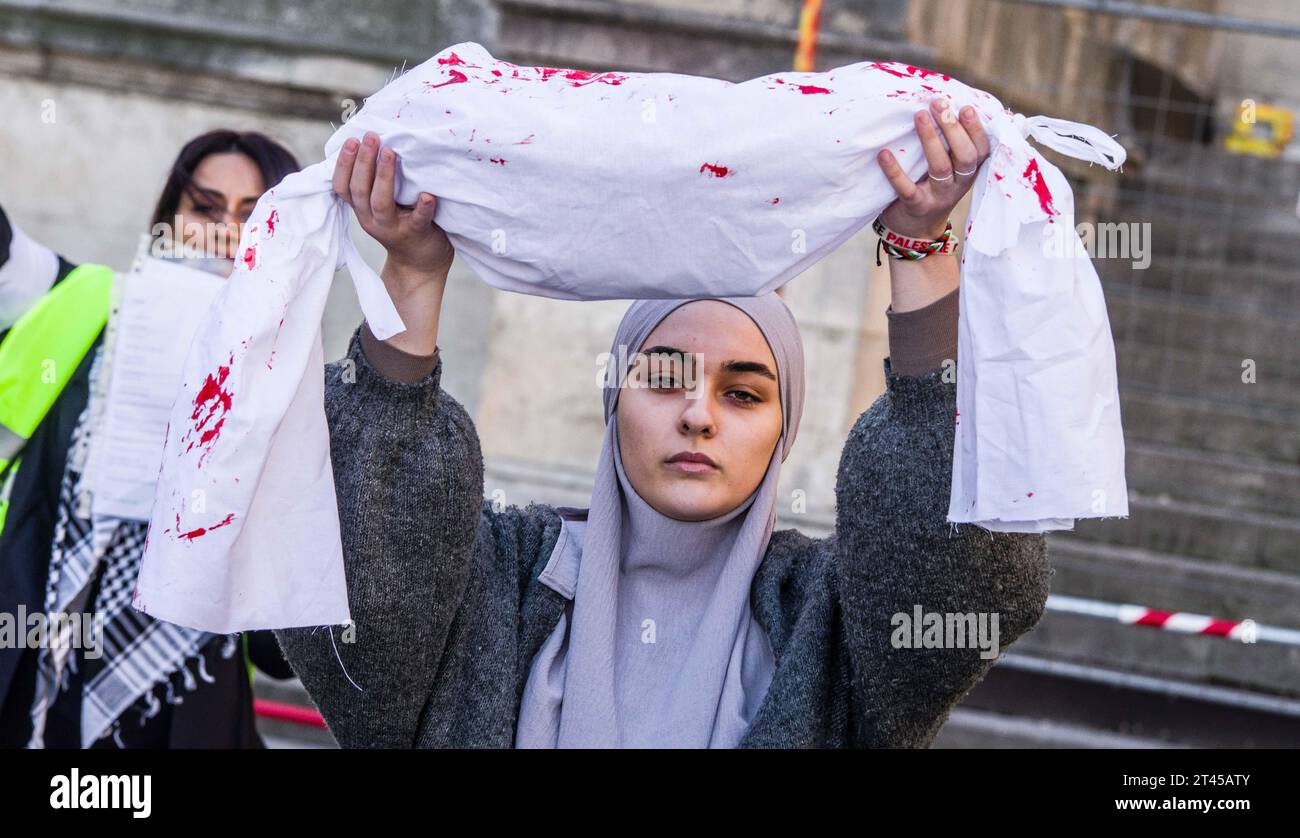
x,y
579,185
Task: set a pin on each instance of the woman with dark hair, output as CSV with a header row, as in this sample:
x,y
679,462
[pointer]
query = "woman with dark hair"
x,y
193,200
144,683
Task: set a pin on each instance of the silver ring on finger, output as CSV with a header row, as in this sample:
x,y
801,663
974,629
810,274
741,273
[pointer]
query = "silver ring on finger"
x,y
971,172
940,179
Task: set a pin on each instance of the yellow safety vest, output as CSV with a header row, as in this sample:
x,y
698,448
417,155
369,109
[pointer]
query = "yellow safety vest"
x,y
39,355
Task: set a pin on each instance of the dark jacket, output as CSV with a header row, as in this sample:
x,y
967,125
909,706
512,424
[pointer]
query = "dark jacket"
x,y
449,611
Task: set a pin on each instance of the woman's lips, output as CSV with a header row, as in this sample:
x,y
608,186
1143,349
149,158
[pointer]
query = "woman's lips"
x,y
688,462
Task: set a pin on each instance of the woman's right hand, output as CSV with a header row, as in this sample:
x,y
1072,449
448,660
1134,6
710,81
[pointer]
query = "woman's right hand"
x,y
363,177
419,253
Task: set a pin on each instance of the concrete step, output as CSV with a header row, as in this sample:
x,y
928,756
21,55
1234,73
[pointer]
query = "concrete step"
x,y
1240,287
1214,377
1267,669
1157,319
1173,582
985,729
1209,426
1202,532
1106,700
1227,480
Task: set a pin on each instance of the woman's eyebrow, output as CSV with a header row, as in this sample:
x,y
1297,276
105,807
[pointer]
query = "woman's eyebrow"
x,y
209,192
730,366
749,366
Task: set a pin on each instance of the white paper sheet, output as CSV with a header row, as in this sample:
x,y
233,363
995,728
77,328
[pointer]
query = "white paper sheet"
x,y
162,305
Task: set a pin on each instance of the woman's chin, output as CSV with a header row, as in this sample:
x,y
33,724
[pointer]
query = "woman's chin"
x,y
689,500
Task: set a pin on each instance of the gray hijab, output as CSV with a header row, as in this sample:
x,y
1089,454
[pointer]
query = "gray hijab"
x,y
658,646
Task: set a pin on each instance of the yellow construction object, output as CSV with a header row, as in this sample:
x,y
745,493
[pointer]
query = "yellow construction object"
x,y
1260,130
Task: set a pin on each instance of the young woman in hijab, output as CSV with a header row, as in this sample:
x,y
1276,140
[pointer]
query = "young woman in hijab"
x,y
669,613
149,684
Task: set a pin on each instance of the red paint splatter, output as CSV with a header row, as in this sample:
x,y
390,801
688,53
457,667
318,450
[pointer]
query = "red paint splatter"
x,y
457,77
1029,494
716,170
526,140
210,405
201,531
1039,184
580,78
498,160
276,340
454,59
270,223
250,256
997,176
908,70
810,89
774,201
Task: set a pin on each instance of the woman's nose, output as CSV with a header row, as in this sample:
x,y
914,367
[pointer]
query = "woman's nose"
x,y
698,416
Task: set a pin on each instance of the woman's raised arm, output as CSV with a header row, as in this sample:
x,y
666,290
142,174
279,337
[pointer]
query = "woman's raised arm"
x,y
408,473
901,566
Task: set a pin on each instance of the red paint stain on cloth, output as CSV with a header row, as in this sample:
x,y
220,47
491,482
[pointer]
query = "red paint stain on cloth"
x,y
210,408
1039,185
908,71
716,170
271,221
201,531
456,60
454,77
250,257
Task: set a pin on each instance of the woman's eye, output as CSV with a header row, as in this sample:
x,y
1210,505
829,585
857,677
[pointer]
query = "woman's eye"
x,y
745,397
663,383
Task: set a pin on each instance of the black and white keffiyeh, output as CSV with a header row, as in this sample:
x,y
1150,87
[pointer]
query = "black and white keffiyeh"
x,y
139,652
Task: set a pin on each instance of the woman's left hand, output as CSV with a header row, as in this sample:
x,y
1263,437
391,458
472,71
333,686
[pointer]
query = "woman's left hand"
x,y
923,208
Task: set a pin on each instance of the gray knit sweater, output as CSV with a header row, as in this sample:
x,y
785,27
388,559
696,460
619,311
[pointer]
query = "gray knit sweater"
x,y
449,612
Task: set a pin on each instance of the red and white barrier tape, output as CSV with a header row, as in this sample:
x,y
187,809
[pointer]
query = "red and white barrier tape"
x,y
1243,631
278,711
